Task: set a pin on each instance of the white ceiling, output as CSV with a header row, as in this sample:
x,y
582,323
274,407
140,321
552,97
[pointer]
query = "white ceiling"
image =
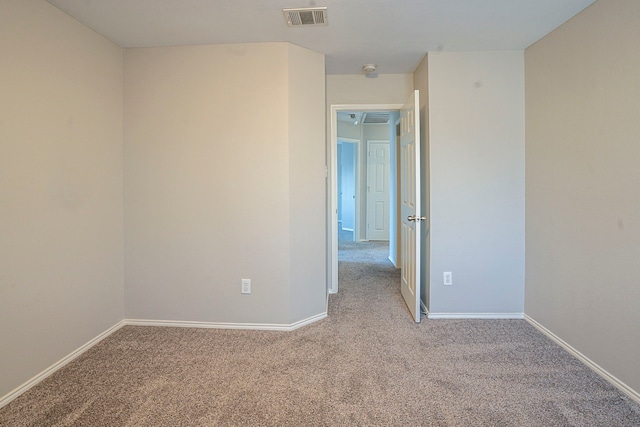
x,y
394,34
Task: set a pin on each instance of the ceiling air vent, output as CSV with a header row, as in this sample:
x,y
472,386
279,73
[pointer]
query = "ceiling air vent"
x,y
306,16
376,118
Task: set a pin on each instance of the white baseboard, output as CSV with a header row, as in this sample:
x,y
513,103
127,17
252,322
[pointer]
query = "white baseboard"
x,y
4,400
424,309
634,395
393,261
475,315
225,325
307,321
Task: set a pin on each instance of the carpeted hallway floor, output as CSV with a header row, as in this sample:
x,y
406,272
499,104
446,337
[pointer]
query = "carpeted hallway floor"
x,y
367,364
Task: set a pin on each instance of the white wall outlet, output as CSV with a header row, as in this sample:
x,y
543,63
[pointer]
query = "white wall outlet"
x,y
448,278
246,286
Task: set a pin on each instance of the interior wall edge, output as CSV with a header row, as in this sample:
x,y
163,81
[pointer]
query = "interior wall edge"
x,y
620,385
15,393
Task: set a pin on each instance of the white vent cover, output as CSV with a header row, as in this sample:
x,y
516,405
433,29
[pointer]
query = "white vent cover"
x,y
306,16
376,118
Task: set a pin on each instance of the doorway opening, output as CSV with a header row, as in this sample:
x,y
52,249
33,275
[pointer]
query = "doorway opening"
x,y
363,188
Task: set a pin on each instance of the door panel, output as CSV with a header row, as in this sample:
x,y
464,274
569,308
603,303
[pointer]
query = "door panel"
x,y
410,204
378,195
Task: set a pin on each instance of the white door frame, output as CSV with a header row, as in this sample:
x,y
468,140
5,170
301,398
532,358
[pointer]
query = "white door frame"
x,y
332,233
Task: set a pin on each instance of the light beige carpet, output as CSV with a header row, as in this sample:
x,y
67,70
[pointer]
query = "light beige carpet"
x,y
367,364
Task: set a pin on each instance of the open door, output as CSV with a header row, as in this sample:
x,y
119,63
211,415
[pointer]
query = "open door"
x,y
410,203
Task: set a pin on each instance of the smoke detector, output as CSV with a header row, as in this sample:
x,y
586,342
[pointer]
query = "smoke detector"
x,y
369,68
306,16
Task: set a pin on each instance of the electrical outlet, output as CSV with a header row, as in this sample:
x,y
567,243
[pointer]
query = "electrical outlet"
x,y
246,286
448,278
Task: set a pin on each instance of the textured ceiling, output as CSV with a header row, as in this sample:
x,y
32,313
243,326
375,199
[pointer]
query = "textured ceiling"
x,y
394,34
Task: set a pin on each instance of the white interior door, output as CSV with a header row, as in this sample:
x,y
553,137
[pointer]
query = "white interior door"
x,y
378,182
410,203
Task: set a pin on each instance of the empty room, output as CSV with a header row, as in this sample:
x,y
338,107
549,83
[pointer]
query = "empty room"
x,y
172,238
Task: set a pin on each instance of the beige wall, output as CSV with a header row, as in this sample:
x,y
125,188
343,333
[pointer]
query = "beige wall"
x,y
476,140
307,183
375,131
210,191
349,130
61,267
358,89
583,208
